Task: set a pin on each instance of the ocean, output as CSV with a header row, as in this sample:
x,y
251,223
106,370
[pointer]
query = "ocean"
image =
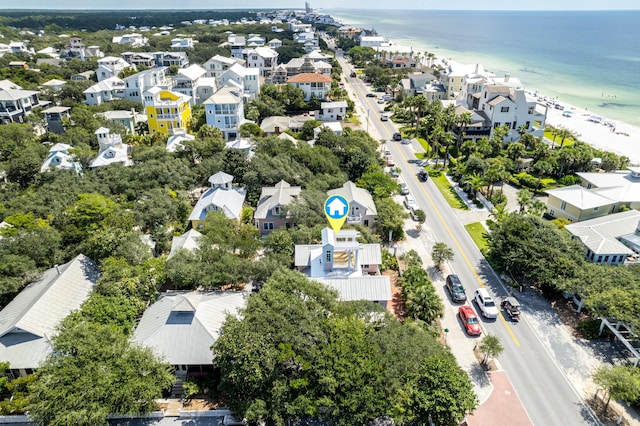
x,y
589,59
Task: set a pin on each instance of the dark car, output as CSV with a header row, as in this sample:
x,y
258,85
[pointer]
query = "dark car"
x,y
371,95
397,137
423,175
456,289
470,320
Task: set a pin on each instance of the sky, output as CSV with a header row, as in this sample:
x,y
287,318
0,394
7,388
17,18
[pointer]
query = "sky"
x,y
325,4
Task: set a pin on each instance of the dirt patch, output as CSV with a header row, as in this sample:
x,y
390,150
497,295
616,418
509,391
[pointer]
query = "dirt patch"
x,y
202,402
397,303
608,418
568,314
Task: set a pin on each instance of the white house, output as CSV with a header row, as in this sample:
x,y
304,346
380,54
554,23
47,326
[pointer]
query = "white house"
x,y
275,43
312,84
182,43
54,84
218,64
135,85
111,149
60,158
15,102
222,196
129,119
263,58
248,78
187,241
372,41
134,39
110,66
105,91
191,81
225,109
342,263
332,111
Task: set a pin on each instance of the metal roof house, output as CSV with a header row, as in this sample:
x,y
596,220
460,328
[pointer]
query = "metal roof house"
x,y
30,320
344,264
222,196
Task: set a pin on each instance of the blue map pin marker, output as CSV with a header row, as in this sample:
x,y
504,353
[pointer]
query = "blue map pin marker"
x,y
336,208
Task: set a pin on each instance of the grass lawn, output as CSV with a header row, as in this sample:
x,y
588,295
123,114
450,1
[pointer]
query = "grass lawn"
x,y
567,141
478,234
448,192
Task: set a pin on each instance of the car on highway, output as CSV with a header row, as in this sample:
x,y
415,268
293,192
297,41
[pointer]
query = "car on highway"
x,y
405,141
384,117
397,136
456,290
470,320
485,303
410,203
353,74
387,154
371,95
404,189
423,176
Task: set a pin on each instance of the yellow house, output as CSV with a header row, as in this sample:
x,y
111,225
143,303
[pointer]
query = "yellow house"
x,y
166,110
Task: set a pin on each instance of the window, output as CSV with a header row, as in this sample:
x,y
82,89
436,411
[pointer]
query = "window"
x,y
563,205
606,259
267,226
327,256
276,210
599,259
504,109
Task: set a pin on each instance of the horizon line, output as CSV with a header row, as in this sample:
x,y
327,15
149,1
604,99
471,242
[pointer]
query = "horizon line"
x,y
17,9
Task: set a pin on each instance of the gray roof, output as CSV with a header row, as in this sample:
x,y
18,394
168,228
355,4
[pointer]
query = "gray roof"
x,y
181,327
187,241
353,193
29,321
220,178
373,288
279,195
600,235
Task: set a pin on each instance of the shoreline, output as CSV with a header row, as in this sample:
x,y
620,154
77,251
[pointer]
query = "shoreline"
x,y
596,130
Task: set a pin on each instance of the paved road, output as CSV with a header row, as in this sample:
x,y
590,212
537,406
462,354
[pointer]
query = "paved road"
x,y
546,393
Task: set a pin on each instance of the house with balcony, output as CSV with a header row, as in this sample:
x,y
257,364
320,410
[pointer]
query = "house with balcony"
x,y
110,66
104,91
134,39
275,43
54,117
167,59
613,239
248,78
599,194
312,84
255,40
60,158
263,58
362,209
342,263
478,128
331,111
166,110
192,81
218,64
75,48
514,108
34,315
318,56
238,44
270,212
224,110
301,66
111,150
221,196
135,85
139,58
15,102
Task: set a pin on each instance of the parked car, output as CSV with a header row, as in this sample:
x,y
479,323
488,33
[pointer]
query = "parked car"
x,y
470,320
456,290
410,203
405,141
413,160
390,161
371,95
485,303
423,176
395,172
384,117
387,154
397,136
404,189
381,101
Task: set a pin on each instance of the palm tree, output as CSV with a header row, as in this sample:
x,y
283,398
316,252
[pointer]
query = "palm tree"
x,y
564,134
436,135
423,303
475,182
441,253
462,121
448,140
496,173
499,213
524,197
542,167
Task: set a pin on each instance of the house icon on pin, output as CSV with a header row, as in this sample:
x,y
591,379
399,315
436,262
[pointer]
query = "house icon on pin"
x,y
336,208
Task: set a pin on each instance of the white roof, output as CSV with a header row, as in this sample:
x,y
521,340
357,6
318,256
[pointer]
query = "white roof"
x,y
192,72
229,201
29,321
187,241
175,141
627,187
353,193
54,82
369,254
580,197
600,235
335,104
181,327
226,95
279,195
106,85
118,153
373,288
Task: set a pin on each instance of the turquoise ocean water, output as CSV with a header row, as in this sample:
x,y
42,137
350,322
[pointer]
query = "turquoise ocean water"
x,y
588,59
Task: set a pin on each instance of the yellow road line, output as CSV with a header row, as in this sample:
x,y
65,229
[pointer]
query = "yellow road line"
x,y
464,256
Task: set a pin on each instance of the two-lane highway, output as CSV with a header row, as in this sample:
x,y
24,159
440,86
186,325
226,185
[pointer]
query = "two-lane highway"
x,y
541,384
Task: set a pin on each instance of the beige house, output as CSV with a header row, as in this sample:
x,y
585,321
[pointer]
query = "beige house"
x,y
599,194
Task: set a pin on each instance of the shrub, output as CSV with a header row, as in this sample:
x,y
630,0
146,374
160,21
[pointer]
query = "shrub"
x,y
191,388
498,199
525,179
388,261
569,180
589,329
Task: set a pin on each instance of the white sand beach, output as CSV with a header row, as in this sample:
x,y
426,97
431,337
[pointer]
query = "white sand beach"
x,y
617,137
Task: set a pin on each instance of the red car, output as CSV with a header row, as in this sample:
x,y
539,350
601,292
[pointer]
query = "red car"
x,y
470,320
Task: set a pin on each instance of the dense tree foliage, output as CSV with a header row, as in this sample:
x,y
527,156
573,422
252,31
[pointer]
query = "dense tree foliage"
x,y
298,352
